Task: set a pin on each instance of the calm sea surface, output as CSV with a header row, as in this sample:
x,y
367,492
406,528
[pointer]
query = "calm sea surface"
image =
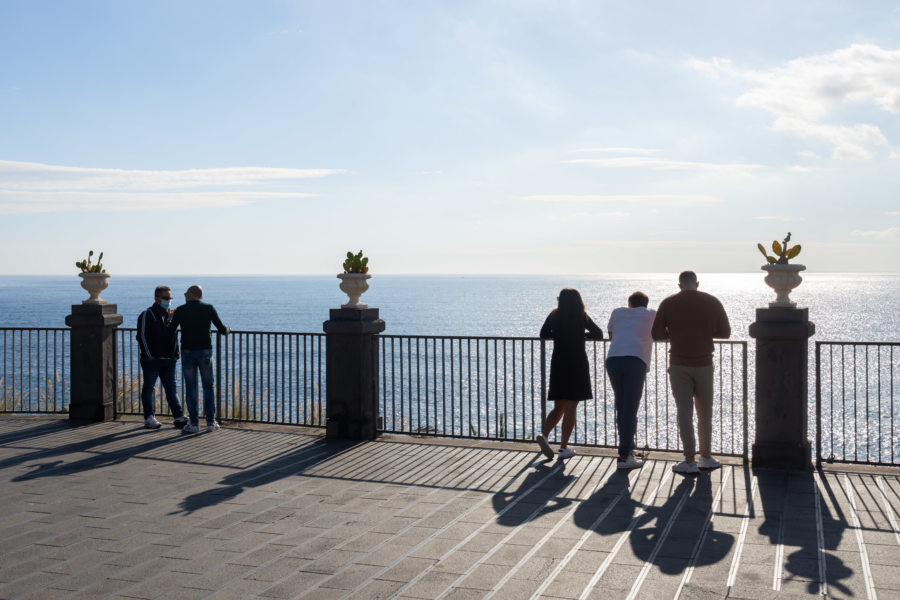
x,y
844,307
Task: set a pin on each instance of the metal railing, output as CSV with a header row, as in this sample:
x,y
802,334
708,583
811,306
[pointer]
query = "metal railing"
x,y
495,388
33,373
261,377
858,402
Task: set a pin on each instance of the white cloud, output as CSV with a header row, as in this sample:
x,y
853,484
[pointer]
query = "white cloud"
x,y
36,176
881,234
809,154
654,199
804,169
39,188
620,150
803,92
24,202
774,218
894,213
663,164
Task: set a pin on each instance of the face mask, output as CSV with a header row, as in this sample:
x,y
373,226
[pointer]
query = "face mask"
x,y
165,304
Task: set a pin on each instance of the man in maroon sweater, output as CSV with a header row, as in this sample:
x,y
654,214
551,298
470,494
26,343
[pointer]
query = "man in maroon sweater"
x,y
690,320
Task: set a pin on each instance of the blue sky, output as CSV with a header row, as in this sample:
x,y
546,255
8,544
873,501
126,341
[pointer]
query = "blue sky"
x,y
451,137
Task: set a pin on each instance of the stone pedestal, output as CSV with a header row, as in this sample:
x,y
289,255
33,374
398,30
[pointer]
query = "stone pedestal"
x,y
351,373
93,362
782,403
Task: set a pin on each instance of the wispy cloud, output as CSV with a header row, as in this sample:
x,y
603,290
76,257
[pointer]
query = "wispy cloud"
x,y
878,234
23,202
620,150
775,218
37,176
645,199
801,93
664,164
27,187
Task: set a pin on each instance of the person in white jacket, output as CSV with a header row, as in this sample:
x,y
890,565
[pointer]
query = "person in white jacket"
x,y
627,363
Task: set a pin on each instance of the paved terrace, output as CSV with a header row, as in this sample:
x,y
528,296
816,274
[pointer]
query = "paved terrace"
x,y
114,510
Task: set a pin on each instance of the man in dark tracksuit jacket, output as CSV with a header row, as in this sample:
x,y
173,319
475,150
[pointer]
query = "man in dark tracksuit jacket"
x,y
159,352
195,318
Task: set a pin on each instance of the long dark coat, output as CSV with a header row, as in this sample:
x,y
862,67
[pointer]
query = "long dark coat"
x,y
570,374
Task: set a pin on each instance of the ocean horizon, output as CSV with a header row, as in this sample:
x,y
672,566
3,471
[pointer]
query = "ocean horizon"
x,y
844,306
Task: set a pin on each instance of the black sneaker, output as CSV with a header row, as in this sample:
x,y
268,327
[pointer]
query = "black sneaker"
x,y
180,422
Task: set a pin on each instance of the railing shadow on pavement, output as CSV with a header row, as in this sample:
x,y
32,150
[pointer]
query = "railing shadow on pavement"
x,y
100,458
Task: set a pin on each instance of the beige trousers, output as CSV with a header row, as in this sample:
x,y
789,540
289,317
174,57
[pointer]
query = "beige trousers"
x,y
692,388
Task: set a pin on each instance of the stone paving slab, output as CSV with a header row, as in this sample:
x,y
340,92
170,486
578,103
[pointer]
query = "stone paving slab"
x,y
113,510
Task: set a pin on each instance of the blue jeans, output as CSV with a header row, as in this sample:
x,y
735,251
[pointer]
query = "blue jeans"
x,y
191,362
626,376
164,370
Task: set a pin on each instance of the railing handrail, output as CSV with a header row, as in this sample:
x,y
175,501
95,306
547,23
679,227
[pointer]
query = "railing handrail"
x,y
834,343
34,328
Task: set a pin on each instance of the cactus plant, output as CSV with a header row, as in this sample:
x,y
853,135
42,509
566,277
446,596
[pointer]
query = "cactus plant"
x,y
356,263
783,253
86,266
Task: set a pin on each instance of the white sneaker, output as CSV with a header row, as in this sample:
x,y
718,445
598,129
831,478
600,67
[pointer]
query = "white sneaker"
x,y
210,427
686,467
566,453
151,423
708,463
190,428
629,463
545,447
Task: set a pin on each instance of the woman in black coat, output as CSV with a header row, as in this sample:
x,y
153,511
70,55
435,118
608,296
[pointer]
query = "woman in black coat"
x,y
570,376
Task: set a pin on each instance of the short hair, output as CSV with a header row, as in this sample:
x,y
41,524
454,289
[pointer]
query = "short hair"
x,y
160,289
687,277
195,290
638,299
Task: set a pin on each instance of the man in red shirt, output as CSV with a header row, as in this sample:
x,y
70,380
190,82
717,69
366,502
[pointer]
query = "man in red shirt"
x,y
690,320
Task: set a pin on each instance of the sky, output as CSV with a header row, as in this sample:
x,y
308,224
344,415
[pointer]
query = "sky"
x,y
488,136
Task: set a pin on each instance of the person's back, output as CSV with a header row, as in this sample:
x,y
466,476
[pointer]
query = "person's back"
x,y
690,320
196,318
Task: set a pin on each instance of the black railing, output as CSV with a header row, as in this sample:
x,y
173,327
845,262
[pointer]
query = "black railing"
x,y
33,374
495,388
261,377
857,402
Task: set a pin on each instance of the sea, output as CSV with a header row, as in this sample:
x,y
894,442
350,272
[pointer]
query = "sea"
x,y
843,306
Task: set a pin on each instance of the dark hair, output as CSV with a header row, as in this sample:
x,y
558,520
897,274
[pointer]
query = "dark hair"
x,y
160,289
687,277
638,299
570,305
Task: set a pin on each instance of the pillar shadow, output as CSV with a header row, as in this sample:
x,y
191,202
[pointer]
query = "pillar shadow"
x,y
788,504
286,465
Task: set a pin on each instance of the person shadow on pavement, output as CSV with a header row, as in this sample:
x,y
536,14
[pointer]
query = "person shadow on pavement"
x,y
665,535
538,490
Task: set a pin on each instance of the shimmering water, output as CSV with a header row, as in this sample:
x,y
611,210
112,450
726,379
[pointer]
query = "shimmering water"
x,y
846,307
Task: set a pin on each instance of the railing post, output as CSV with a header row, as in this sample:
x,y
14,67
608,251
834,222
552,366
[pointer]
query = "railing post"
x,y
94,373
818,405
782,396
351,373
218,375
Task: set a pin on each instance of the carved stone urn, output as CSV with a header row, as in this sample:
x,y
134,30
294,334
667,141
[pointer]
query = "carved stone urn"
x,y
354,284
94,283
783,279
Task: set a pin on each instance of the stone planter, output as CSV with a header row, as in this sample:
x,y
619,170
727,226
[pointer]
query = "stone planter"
x,y
354,284
783,279
94,283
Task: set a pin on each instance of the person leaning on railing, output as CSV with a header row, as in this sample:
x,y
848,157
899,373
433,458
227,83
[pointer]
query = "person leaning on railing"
x,y
195,318
570,376
627,363
690,320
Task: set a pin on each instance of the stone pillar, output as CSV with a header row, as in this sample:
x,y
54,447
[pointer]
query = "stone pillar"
x,y
351,373
782,375
93,362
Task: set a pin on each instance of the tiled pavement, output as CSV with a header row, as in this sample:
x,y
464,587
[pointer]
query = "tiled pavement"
x,y
113,510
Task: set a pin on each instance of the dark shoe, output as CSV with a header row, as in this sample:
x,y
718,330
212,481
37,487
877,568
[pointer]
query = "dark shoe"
x,y
180,422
